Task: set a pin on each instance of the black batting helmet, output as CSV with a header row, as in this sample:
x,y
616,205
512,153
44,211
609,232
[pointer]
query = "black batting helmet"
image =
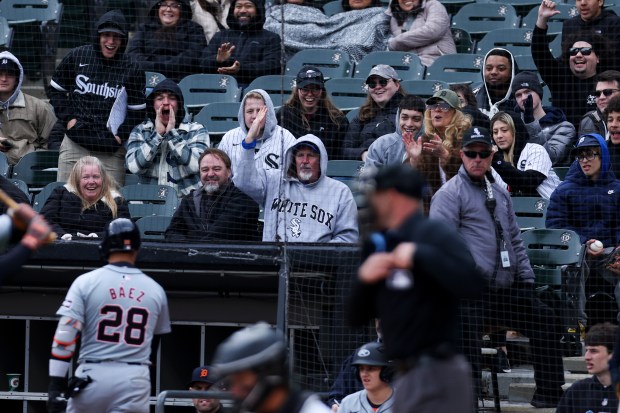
x,y
373,354
120,235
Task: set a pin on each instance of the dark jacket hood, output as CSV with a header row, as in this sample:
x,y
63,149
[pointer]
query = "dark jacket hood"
x,y
186,11
112,18
167,85
255,25
553,116
575,174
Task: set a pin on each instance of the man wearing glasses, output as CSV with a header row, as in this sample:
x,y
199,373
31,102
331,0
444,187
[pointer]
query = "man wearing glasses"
x,y
482,211
607,86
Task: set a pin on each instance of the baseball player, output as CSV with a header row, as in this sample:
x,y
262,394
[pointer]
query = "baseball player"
x,y
119,313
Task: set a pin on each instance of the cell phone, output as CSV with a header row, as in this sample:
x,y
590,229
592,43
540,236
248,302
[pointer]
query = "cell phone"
x,y
7,143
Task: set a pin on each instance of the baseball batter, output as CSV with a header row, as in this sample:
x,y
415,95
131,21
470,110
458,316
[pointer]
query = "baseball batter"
x,y
119,312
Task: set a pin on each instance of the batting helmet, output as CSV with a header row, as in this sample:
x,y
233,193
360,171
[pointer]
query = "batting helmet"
x,y
373,354
120,235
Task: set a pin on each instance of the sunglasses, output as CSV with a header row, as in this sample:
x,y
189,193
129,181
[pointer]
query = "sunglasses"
x,y
442,107
589,155
586,51
373,83
481,154
606,92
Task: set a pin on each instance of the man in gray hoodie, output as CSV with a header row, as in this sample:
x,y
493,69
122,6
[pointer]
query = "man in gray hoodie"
x,y
302,204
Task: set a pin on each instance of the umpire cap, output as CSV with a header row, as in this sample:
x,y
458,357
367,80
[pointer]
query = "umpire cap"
x,y
402,178
120,235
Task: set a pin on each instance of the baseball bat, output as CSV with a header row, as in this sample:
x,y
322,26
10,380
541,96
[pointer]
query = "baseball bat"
x,y
9,202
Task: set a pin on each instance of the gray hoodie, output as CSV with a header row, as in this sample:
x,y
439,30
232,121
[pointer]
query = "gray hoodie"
x,y
322,211
270,145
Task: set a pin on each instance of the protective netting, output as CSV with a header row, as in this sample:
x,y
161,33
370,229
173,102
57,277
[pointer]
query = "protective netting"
x,y
121,99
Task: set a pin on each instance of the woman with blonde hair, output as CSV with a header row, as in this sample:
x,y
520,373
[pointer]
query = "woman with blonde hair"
x,y
86,203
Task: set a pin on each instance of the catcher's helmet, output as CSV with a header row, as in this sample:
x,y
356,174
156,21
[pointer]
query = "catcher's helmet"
x,y
257,347
120,235
373,354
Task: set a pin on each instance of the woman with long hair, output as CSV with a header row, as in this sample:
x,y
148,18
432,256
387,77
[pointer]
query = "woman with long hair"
x,y
525,167
310,111
86,203
377,115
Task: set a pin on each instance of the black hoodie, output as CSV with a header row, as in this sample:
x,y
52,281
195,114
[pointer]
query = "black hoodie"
x,y
257,50
173,52
85,86
167,85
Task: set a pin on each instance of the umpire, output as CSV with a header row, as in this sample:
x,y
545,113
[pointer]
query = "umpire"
x,y
412,281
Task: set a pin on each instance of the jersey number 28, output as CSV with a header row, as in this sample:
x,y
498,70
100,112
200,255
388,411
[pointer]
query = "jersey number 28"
x,y
134,325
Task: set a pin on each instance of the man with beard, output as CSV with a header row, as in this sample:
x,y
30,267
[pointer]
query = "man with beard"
x,y
245,51
497,73
202,380
216,211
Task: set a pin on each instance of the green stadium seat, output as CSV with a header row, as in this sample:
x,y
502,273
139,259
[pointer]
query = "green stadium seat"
x,y
456,68
6,34
407,65
561,171
22,186
462,40
333,7
153,228
278,87
347,94
481,18
352,114
530,211
37,169
150,200
556,46
423,88
517,41
332,63
554,25
344,168
525,62
41,197
5,167
219,118
201,89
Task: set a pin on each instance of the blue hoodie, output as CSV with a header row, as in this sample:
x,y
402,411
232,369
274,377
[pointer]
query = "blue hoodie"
x,y
589,207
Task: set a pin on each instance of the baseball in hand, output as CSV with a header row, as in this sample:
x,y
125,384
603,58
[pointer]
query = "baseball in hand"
x,y
596,246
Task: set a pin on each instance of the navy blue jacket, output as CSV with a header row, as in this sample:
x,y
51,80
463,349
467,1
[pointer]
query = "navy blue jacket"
x,y
589,207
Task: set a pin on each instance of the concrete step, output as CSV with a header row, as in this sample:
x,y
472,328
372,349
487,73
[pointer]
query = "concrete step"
x,y
575,364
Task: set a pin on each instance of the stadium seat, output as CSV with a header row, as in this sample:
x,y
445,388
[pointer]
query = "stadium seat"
x,y
456,68
219,118
522,6
23,187
201,89
517,41
152,79
6,34
278,87
347,94
453,6
153,228
462,40
526,62
131,179
150,200
530,211
554,25
37,169
5,167
352,114
333,7
423,88
479,19
561,171
406,64
344,168
41,197
332,63
556,46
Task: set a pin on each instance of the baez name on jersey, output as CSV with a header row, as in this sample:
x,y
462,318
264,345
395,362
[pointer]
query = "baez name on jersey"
x,y
83,87
303,210
130,293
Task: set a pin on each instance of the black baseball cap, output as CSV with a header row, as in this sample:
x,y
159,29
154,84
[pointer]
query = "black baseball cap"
x,y
203,374
9,66
402,178
475,135
309,75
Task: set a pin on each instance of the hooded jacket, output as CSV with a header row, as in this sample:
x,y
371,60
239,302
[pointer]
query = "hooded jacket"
x,y
571,94
358,403
228,215
425,31
531,173
593,122
322,211
171,159
589,207
174,52
360,135
461,203
24,120
257,50
270,145
86,85
554,133
388,149
486,104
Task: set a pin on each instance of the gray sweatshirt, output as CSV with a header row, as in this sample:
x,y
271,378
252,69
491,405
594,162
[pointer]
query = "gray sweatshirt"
x,y
358,403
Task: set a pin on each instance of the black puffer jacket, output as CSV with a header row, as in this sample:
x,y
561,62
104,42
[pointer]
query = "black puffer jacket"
x,y
257,50
174,52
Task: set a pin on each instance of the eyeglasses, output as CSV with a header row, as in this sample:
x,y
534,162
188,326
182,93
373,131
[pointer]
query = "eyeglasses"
x,y
481,154
442,107
606,92
313,90
373,83
173,5
586,51
589,155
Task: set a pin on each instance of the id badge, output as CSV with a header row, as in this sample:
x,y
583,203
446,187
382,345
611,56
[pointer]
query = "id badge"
x,y
505,259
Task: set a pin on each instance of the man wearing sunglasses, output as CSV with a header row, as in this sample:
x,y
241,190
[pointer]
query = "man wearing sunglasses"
x,y
482,211
607,86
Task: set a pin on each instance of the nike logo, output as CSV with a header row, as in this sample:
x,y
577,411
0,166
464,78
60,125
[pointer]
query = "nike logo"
x,y
235,144
83,64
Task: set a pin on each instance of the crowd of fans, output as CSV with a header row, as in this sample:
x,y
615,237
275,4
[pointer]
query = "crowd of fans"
x,y
275,164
